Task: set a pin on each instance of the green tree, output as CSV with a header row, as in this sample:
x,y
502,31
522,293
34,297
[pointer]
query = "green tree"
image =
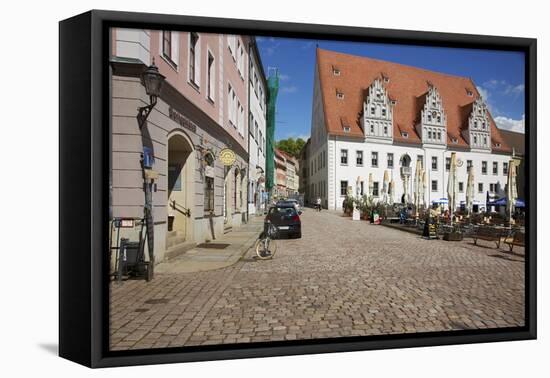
x,y
291,146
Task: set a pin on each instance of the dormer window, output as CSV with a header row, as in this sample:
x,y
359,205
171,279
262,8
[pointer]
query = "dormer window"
x,y
404,134
454,140
393,102
347,129
498,144
386,78
469,93
339,95
335,71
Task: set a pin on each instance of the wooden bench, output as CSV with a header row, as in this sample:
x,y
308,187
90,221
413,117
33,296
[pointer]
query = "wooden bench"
x,y
518,239
488,234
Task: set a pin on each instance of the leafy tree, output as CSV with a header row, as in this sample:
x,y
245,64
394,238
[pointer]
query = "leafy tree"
x,y
291,146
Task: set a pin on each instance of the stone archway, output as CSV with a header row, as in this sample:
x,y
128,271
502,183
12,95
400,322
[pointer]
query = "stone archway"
x,y
180,174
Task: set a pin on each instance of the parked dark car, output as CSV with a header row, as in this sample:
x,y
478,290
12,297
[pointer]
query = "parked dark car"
x,y
286,218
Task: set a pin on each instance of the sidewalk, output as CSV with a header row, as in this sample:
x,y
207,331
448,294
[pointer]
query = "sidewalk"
x,y
224,251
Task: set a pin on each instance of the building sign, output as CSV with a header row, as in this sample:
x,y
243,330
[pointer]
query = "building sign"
x,y
227,156
182,120
209,171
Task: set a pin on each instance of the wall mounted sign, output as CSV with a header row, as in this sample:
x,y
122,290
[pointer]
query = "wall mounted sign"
x,y
181,119
227,156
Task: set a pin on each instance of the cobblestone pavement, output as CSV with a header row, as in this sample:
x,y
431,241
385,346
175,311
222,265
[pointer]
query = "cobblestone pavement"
x,y
343,278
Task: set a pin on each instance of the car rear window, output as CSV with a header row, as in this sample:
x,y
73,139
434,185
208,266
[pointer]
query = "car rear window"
x,y
283,210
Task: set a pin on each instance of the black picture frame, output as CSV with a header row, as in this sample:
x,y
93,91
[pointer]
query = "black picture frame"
x,y
84,187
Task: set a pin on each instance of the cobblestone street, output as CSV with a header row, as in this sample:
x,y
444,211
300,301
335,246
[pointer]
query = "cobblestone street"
x,y
343,278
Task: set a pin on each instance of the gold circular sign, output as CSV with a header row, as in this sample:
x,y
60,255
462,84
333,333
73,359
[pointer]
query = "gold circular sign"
x,y
227,156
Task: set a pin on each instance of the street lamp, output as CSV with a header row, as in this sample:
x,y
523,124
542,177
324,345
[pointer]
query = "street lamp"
x,y
152,80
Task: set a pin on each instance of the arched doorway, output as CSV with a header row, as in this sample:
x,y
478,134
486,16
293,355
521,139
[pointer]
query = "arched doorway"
x,y
180,174
405,162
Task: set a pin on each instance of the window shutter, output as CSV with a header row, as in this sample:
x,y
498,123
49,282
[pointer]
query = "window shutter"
x,y
175,48
198,58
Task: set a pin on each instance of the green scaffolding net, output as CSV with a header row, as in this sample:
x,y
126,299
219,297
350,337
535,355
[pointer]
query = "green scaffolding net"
x,y
273,90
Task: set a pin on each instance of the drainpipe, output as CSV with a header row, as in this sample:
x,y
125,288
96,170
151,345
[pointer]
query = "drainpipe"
x,y
248,134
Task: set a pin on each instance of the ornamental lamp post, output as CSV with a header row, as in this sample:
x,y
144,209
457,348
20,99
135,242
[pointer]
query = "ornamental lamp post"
x,y
152,80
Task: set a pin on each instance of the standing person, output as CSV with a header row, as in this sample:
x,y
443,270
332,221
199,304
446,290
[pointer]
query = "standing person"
x,y
318,204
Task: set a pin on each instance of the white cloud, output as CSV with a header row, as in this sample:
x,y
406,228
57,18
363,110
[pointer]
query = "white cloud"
x,y
515,90
484,93
503,87
284,77
510,124
289,89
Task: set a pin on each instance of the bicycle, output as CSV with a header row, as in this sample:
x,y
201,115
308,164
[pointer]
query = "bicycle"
x,y
266,245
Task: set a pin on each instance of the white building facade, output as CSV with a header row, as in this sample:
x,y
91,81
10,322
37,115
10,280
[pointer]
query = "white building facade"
x,y
257,133
371,117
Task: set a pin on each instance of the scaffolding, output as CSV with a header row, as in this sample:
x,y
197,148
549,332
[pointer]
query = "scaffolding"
x,y
273,90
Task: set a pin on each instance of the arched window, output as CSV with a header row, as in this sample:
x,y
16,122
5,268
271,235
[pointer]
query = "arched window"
x,y
209,183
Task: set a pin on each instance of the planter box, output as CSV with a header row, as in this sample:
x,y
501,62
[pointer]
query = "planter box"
x,y
452,236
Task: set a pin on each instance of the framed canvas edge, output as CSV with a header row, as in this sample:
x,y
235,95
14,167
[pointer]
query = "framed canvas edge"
x,y
96,324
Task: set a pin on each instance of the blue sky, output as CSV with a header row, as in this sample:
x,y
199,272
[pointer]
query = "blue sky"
x,y
499,76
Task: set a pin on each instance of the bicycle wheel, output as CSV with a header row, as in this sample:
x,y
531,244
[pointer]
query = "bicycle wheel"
x,y
266,248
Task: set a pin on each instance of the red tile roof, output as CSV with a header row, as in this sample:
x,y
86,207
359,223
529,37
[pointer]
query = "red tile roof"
x,y
407,85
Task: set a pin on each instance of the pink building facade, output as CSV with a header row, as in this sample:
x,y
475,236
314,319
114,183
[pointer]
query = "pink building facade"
x,y
203,109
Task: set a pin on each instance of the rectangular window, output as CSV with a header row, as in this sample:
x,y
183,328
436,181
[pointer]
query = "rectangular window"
x,y
480,187
174,177
448,164
167,44
434,163
375,190
210,80
193,40
484,167
505,168
420,158
362,192
374,159
495,168
390,160
209,194
434,185
359,158
493,188
461,187
343,188
469,164
344,157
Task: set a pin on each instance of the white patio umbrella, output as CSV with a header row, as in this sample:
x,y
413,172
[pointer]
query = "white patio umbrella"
x,y
452,186
385,187
423,191
391,191
470,190
416,186
512,190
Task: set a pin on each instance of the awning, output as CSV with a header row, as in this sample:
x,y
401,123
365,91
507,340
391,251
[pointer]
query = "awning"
x,y
441,200
503,201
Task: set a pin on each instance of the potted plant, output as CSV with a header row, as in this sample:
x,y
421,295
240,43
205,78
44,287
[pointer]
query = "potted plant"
x,y
454,234
348,205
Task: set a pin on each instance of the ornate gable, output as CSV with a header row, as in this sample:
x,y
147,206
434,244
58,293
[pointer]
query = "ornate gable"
x,y
432,127
478,132
377,120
